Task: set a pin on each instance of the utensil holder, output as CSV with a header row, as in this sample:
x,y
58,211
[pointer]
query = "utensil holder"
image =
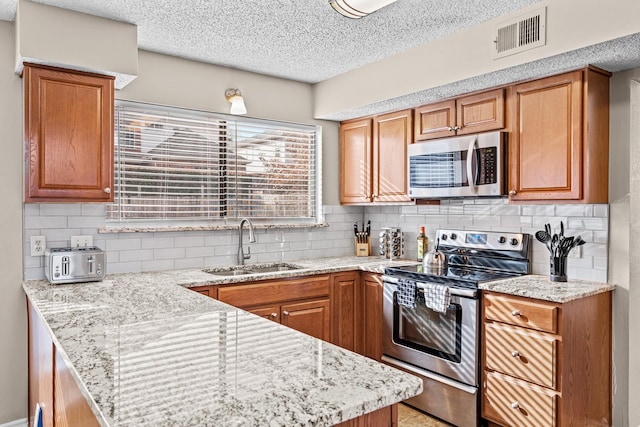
x,y
363,249
558,269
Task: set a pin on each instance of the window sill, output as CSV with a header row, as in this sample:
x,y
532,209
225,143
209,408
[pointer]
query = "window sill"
x,y
129,229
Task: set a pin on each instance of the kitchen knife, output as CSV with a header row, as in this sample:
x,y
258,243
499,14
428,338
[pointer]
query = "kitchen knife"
x,y
355,228
368,230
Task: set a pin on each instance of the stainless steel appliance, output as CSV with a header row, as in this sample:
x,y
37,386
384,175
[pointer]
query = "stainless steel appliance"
x,y
72,265
443,347
465,166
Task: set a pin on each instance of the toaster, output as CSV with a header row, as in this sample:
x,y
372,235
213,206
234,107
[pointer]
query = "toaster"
x,y
73,265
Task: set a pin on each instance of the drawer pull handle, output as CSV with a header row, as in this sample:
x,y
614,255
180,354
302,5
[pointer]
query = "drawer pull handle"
x,y
286,313
514,353
515,313
274,315
515,405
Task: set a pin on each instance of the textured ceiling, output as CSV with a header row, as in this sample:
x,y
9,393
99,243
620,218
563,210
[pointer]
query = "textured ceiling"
x,y
303,40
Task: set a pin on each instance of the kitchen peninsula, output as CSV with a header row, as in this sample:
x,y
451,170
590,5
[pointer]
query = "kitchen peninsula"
x,y
143,350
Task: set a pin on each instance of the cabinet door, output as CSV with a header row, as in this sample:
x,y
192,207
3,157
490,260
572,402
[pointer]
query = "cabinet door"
x,y
481,112
391,136
372,315
40,369
310,317
68,135
545,152
210,291
346,327
72,408
355,161
270,312
435,120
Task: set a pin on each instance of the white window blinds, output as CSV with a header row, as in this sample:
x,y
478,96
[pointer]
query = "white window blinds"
x,y
182,165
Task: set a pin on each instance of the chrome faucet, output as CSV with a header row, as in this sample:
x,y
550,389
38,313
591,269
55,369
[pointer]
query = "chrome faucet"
x,y
252,239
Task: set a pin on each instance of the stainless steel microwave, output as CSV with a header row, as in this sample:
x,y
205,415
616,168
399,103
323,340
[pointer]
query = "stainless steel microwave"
x,y
464,166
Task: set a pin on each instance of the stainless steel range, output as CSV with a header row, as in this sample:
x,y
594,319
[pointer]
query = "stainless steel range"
x,y
440,344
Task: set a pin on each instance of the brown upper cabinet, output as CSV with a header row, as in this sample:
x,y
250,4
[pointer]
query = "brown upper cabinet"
x,y
480,112
68,125
559,144
373,158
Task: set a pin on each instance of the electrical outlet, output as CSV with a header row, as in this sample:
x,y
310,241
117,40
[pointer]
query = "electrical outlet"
x,y
81,241
38,245
575,252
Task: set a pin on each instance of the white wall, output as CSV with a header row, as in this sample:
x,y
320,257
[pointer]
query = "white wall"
x,y
13,331
571,24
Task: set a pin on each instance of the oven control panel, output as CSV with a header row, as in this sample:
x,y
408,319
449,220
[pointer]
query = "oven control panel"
x,y
494,240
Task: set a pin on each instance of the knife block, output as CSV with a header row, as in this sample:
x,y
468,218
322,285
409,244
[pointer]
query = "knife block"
x,y
363,249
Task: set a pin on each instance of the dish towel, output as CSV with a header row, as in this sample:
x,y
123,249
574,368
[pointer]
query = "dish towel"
x,y
436,297
406,293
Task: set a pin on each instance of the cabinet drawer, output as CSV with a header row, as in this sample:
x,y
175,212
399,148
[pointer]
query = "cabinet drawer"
x,y
515,403
522,353
522,312
272,291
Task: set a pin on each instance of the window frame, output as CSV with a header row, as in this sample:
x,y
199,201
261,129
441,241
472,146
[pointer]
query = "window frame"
x,y
225,220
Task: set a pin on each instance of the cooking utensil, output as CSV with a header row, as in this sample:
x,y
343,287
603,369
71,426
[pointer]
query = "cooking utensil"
x,y
355,228
368,230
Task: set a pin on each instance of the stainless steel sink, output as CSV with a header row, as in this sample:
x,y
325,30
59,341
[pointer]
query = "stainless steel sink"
x,y
252,269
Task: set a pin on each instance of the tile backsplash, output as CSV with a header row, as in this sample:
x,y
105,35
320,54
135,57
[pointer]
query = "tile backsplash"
x,y
142,251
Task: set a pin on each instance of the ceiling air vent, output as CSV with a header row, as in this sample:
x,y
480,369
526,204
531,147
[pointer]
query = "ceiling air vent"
x,y
521,33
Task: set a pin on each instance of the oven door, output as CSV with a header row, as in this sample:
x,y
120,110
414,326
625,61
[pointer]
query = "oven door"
x,y
455,167
444,343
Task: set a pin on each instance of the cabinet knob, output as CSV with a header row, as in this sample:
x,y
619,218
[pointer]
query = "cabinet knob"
x,y
107,190
456,128
515,405
451,129
515,313
285,313
512,193
515,353
274,315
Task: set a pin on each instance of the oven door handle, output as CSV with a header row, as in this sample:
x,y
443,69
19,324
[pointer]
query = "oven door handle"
x,y
469,293
414,370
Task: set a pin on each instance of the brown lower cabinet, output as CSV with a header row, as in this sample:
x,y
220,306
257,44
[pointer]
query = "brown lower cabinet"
x,y
546,364
301,303
51,384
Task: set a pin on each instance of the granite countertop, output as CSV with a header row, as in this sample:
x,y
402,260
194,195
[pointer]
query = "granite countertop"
x,y
145,351
540,287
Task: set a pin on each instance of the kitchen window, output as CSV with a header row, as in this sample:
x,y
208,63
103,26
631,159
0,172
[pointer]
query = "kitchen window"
x,y
179,167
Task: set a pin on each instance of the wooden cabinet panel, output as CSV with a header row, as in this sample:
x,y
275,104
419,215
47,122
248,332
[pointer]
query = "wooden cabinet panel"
x,y
345,310
41,350
68,135
559,146
562,374
435,120
275,291
519,404
72,408
271,312
480,112
522,312
522,353
311,317
372,294
355,161
210,291
373,158
392,133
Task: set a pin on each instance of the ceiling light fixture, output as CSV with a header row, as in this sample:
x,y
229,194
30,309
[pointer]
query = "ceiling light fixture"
x,y
237,102
358,8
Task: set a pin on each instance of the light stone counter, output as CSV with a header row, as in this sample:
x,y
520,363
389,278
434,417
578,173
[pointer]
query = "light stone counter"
x,y
540,287
146,352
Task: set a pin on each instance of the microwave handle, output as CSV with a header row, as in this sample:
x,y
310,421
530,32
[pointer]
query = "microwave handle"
x,y
472,165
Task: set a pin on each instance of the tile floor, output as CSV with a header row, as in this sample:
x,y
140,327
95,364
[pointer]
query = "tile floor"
x,y
409,417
